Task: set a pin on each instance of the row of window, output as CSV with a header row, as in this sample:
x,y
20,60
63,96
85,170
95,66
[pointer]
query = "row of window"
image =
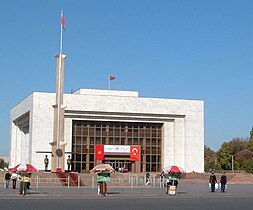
x,y
87,134
104,132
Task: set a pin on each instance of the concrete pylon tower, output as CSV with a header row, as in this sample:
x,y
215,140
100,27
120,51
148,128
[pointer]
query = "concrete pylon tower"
x,y
58,144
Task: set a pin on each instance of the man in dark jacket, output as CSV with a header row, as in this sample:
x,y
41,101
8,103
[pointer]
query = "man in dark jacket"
x,y
212,181
223,182
7,178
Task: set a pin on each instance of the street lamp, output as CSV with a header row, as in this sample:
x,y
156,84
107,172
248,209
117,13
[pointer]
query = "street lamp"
x,y
232,156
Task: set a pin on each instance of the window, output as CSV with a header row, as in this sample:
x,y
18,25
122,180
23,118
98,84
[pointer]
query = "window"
x,y
86,134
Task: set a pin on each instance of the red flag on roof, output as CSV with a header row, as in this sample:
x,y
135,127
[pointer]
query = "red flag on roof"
x,y
111,78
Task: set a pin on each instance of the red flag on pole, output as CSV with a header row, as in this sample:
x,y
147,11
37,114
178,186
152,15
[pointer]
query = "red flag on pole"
x,y
63,22
111,78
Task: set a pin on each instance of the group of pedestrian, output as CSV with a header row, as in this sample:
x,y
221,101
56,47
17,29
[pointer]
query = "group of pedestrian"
x,y
8,176
213,181
23,177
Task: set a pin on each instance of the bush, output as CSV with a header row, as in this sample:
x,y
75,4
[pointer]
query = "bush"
x,y
247,166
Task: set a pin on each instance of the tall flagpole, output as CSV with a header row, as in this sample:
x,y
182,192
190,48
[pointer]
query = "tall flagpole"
x,y
59,96
109,83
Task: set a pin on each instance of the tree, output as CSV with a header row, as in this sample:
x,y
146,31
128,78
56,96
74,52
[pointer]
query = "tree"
x,y
210,159
242,156
238,144
241,150
224,155
251,135
2,163
250,142
247,166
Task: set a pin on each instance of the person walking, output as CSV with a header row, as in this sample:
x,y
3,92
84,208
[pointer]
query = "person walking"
x,y
162,179
147,178
14,178
223,182
212,181
7,178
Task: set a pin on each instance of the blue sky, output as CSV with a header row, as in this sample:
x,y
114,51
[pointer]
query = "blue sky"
x,y
198,49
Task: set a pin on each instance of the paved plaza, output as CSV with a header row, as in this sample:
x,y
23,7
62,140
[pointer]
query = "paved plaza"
x,y
189,196
184,190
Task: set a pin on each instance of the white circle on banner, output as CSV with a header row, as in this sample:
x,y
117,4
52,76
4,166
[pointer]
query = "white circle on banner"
x,y
135,151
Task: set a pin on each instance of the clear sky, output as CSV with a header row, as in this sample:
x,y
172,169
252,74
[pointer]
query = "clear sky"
x,y
185,49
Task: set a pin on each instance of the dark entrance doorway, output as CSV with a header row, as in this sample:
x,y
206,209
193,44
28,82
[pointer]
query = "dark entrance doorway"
x,y
87,134
120,165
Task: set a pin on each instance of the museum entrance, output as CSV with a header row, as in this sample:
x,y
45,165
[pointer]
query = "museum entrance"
x,y
120,165
87,134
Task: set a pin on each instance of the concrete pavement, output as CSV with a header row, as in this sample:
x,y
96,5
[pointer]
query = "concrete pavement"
x,y
184,190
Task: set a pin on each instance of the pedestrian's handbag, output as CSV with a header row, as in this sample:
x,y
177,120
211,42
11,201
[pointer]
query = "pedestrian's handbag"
x,y
216,186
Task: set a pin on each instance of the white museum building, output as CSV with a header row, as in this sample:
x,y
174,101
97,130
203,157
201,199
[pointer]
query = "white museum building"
x,y
121,128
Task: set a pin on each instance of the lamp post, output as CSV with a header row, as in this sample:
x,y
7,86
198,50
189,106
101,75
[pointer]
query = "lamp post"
x,y
232,156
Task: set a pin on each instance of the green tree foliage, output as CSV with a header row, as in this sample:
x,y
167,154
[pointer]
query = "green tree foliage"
x,y
224,156
251,135
250,142
210,160
240,149
247,166
238,144
236,148
208,152
2,163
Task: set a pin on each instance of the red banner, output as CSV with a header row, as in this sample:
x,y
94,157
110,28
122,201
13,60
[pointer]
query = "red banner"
x,y
135,152
99,152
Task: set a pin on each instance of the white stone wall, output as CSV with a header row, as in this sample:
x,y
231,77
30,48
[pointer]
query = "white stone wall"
x,y
183,128
42,131
19,141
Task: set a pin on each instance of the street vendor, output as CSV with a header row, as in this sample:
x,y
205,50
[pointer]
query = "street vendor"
x,y
171,181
